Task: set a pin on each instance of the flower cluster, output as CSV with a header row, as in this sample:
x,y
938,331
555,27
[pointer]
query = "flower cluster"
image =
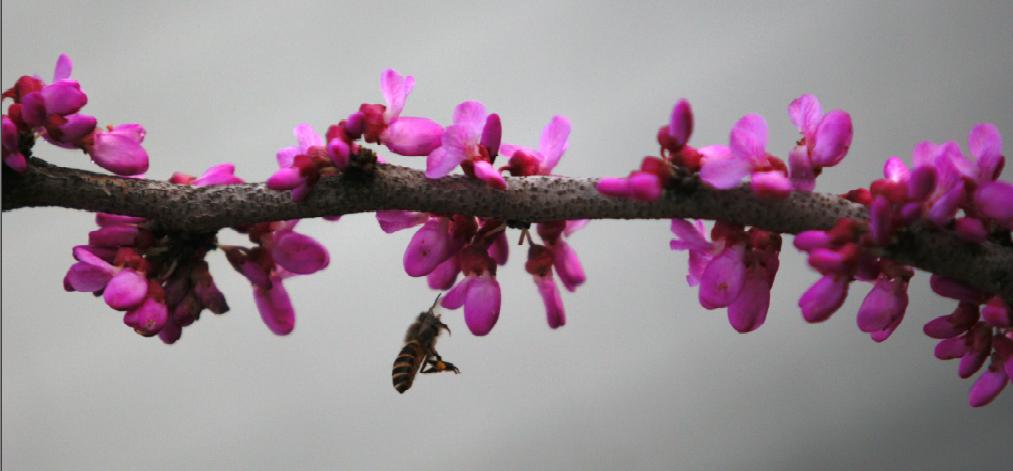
x,y
279,253
942,182
53,112
980,329
446,245
825,141
735,269
160,280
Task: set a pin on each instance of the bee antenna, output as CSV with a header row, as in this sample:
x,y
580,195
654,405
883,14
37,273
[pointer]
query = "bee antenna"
x,y
435,302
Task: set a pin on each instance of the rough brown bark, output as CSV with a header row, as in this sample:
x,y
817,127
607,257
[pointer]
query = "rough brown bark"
x,y
988,266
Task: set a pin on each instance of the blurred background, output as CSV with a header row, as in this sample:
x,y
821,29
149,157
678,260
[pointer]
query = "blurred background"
x,y
641,377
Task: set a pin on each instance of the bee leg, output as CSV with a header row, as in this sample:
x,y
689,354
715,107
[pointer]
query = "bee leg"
x,y
439,366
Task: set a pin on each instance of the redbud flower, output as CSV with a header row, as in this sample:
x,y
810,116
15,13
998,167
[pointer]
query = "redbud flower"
x,y
524,161
119,149
405,135
825,140
463,144
478,292
12,156
748,155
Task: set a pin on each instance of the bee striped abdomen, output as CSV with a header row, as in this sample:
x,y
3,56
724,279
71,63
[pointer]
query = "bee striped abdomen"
x,y
407,365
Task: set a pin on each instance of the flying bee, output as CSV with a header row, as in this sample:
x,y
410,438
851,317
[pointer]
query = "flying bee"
x,y
419,351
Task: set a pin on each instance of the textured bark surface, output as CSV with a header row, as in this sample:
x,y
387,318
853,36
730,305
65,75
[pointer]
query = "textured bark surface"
x,y
988,266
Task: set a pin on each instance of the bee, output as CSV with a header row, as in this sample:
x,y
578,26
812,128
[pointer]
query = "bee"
x,y
419,352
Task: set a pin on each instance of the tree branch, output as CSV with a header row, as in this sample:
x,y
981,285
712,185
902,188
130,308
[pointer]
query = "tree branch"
x,y
988,266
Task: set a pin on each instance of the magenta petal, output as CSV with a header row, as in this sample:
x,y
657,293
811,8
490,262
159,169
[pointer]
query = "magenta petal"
x,y
221,174
285,179
429,247
481,305
726,173
553,143
75,129
63,68
307,137
275,307
148,318
883,305
16,162
567,265
575,225
412,136
340,153
987,387
470,116
487,173
492,134
170,332
119,153
299,253
554,312
454,298
803,175
286,156
443,276
680,124
126,290
87,277
951,348
395,220
949,288
395,89
698,261
805,113
63,98
823,298
690,233
895,170
996,313
921,183
809,240
723,279
616,187
749,310
771,184
748,139
833,139
33,109
499,248
450,154
971,230
985,143
943,210
995,200
880,220
645,186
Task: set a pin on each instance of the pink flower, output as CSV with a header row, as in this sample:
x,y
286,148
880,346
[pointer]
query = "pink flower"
x,y
405,135
553,143
478,292
12,156
300,166
883,308
747,155
736,270
119,149
280,253
465,143
825,140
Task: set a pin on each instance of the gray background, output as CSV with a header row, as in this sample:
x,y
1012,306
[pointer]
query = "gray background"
x,y
640,378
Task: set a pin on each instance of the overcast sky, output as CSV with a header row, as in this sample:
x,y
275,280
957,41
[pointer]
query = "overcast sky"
x,y
641,377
